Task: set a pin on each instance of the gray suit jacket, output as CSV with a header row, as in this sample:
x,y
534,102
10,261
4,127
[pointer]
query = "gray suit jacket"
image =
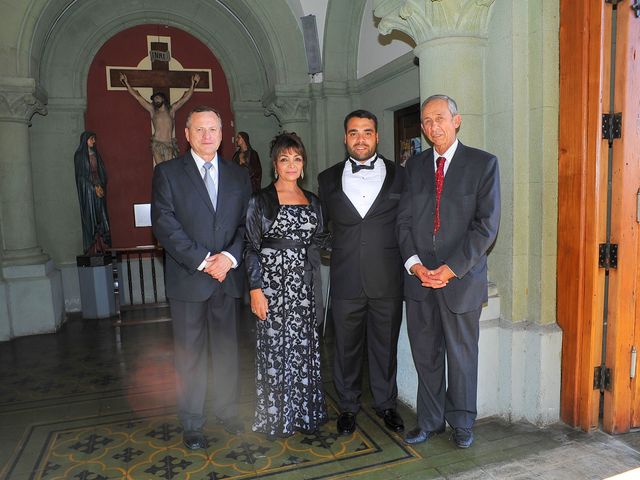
x,y
187,226
469,220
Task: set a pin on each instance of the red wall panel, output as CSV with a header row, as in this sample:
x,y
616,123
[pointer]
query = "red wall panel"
x,y
123,127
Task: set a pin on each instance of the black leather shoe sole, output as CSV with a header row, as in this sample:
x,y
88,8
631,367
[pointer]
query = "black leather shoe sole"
x,y
194,440
462,438
346,423
417,435
392,420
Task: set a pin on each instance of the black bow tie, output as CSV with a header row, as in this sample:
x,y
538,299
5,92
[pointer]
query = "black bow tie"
x,y
356,167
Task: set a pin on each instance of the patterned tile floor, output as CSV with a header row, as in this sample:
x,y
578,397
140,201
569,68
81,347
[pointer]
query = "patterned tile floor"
x,y
96,402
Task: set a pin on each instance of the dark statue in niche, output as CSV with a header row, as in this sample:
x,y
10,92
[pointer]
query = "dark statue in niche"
x,y
91,180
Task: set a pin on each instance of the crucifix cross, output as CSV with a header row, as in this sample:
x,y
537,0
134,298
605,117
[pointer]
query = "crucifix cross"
x,y
159,78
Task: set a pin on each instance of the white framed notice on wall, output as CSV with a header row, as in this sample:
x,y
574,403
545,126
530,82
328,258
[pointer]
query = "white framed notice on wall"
x,y
142,214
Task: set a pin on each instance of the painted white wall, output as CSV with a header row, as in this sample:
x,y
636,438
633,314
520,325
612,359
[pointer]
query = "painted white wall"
x,y
374,51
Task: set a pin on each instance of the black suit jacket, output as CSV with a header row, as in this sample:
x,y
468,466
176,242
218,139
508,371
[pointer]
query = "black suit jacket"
x,y
188,227
365,257
469,220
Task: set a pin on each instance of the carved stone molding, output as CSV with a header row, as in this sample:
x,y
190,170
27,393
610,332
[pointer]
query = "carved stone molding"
x,y
20,99
426,20
288,109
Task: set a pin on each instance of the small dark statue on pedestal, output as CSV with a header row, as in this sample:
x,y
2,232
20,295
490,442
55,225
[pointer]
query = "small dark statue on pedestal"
x,y
91,180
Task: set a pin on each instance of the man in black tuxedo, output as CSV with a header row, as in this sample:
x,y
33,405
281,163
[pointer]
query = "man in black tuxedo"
x,y
198,210
360,196
448,219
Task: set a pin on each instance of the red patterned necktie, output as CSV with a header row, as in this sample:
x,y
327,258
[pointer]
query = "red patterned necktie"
x,y
439,182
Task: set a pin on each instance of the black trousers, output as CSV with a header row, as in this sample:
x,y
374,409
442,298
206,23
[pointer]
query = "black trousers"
x,y
375,321
435,332
200,328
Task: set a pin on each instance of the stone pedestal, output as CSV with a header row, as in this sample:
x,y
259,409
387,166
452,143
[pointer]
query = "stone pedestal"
x,y
35,298
95,274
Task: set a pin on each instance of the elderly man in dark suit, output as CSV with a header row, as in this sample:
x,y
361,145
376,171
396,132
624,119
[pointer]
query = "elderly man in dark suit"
x,y
198,211
360,197
448,219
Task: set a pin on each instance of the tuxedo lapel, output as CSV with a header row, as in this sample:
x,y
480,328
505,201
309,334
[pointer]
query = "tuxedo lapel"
x,y
337,174
191,171
386,185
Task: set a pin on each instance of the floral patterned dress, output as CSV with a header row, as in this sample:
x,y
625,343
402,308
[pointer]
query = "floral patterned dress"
x,y
288,381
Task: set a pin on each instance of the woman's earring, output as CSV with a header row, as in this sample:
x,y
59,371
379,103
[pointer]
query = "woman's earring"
x,y
302,174
275,174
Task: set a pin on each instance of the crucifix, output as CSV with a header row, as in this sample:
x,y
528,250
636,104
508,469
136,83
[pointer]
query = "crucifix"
x,y
161,79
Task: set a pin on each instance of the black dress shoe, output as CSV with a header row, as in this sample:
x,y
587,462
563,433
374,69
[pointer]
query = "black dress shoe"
x,y
462,437
418,435
346,423
194,440
232,426
392,420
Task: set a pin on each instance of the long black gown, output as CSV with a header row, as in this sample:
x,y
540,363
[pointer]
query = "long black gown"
x,y
288,381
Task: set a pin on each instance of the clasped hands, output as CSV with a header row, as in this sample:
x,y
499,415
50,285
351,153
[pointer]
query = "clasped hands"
x,y
217,266
437,278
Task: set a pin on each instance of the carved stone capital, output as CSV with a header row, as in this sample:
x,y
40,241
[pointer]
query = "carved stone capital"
x,y
288,108
425,20
20,99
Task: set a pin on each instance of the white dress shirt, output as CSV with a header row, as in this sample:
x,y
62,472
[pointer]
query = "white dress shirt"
x,y
448,155
362,187
213,174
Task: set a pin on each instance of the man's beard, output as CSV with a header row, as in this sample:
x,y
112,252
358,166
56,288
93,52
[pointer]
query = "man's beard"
x,y
157,105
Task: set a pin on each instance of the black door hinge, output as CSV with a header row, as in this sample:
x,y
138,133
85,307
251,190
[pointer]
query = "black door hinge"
x,y
608,255
611,126
602,378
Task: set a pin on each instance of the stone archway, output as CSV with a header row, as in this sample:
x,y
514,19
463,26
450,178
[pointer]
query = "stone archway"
x,y
259,47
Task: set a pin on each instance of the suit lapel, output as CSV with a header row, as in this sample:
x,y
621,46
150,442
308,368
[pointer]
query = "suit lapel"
x,y
428,173
224,185
191,170
456,169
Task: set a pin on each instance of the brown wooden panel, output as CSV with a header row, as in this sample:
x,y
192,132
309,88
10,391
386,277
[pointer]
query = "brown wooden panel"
x,y
580,207
635,383
624,228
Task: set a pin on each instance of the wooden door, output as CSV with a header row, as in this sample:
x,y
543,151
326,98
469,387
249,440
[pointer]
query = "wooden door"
x,y
598,182
407,132
621,399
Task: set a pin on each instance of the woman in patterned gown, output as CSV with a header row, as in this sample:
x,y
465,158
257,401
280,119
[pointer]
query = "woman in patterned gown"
x,y
284,232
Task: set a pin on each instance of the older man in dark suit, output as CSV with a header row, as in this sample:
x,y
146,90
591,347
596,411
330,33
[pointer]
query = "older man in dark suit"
x,y
198,211
360,196
447,221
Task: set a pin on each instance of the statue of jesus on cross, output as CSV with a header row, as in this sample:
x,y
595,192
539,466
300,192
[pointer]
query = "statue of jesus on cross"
x,y
163,143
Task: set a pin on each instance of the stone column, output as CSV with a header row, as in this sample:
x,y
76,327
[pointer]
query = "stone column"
x,y
450,38
27,270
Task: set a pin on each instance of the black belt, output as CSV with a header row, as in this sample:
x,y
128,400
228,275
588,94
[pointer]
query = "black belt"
x,y
282,243
311,267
